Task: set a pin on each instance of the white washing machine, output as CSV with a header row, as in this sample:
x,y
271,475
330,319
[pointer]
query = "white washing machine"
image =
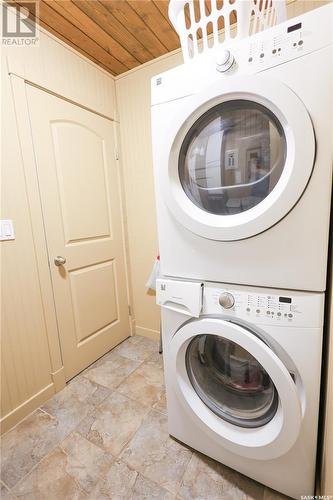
x,y
242,370
242,147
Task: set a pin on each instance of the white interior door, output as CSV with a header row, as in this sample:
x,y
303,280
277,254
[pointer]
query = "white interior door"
x,y
80,192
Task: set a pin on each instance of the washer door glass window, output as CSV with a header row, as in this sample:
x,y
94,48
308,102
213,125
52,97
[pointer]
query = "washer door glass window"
x,y
232,157
230,381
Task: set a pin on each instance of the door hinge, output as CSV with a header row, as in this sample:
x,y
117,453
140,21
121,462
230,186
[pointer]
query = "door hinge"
x,y
129,310
117,154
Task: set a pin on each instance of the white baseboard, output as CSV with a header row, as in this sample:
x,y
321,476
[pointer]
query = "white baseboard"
x,y
147,332
12,418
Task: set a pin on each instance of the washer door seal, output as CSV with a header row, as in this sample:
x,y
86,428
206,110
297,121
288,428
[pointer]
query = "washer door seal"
x,y
269,440
230,381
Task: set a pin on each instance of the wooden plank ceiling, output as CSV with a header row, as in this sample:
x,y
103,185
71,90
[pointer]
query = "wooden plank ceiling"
x,y
118,35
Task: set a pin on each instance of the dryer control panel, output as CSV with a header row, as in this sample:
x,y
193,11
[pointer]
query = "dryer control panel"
x,y
263,306
280,44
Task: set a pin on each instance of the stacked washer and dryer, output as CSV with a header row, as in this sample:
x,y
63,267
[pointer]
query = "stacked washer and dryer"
x,y
243,172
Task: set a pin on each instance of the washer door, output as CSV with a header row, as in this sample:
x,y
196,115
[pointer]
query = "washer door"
x,y
235,388
241,160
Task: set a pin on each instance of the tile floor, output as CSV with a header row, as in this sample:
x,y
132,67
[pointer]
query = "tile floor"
x,y
105,436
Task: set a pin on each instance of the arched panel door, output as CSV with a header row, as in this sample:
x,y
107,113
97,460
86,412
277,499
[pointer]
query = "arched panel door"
x,y
80,195
241,160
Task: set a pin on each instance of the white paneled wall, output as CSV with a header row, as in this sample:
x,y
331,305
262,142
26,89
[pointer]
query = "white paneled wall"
x,y
56,67
133,97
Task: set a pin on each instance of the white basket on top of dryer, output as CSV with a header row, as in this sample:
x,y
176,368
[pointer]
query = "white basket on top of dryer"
x,y
206,24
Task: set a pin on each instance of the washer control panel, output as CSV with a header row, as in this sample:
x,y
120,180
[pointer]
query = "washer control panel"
x,y
256,305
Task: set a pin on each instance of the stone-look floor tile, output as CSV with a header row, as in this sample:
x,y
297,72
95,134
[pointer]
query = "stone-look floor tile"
x,y
26,444
5,494
98,362
144,489
122,483
74,402
71,470
50,480
117,484
153,453
86,463
205,478
156,357
137,348
145,384
113,423
273,495
112,371
161,403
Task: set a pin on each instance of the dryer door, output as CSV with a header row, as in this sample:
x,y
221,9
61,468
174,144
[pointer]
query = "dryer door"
x,y
236,388
241,160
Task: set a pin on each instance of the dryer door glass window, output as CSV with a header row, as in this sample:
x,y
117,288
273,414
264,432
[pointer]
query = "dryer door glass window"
x,y
232,157
230,381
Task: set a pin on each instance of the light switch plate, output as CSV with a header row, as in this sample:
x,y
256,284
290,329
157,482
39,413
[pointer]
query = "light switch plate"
x,y
6,230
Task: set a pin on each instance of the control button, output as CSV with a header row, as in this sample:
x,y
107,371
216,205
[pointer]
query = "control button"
x,y
250,59
295,44
300,42
262,55
224,60
226,300
279,49
268,312
279,314
290,315
248,309
274,51
285,315
258,311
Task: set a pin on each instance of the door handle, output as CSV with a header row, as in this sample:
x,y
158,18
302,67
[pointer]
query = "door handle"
x,y
59,261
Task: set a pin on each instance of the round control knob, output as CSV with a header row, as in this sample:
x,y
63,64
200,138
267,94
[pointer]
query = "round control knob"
x,y
224,60
226,300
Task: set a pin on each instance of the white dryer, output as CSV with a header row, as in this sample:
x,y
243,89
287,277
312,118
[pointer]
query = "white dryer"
x,y
243,158
243,377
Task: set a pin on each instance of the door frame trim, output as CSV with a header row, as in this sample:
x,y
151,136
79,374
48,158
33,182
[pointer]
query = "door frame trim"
x,y
37,223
